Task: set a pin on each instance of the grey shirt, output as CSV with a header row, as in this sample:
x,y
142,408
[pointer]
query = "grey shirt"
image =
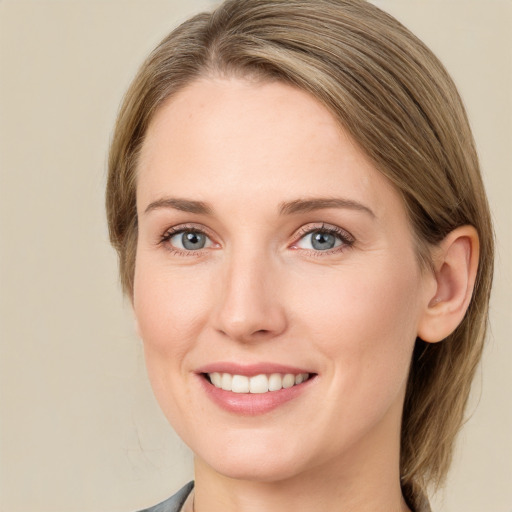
x,y
174,503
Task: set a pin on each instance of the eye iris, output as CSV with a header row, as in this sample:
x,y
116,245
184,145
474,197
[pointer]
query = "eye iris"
x,y
193,240
323,241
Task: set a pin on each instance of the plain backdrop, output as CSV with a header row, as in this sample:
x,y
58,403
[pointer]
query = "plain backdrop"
x,y
80,430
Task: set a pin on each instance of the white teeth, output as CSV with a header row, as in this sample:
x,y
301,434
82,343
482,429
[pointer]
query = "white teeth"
x,y
275,382
288,380
240,384
257,384
226,381
216,379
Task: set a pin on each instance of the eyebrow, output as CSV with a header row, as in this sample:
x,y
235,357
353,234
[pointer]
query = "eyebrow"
x,y
285,208
184,205
321,203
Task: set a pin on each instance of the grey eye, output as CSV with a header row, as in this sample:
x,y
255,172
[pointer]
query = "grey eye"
x,y
189,240
320,240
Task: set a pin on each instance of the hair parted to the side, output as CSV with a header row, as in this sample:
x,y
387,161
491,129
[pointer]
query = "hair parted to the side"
x,y
399,104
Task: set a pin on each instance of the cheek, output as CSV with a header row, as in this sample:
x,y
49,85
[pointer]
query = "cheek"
x,y
367,302
365,323
170,309
169,306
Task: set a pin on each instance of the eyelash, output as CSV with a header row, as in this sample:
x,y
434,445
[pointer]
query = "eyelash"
x,y
347,240
166,237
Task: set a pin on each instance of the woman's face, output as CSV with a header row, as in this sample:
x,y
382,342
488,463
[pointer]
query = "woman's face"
x,y
271,250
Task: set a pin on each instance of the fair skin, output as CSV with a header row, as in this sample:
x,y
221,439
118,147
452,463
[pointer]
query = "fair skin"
x,y
288,253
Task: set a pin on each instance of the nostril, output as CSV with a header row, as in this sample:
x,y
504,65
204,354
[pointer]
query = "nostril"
x,y
250,322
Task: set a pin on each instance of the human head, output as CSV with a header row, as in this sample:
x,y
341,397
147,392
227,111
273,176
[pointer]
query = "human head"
x,y
398,103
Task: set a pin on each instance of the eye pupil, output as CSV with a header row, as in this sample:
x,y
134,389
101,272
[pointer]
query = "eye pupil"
x,y
323,241
192,240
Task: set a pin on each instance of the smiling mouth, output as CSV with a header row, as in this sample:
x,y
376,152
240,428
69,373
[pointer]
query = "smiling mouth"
x,y
258,384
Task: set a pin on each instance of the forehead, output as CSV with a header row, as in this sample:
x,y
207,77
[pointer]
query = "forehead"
x,y
220,138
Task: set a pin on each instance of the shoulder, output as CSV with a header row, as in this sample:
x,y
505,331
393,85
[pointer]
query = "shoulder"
x,y
174,503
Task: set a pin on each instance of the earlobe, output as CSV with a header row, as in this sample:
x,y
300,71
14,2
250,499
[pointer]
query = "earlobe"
x,y
455,269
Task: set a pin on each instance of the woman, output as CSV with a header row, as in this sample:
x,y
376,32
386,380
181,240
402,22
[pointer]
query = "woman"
x,y
302,229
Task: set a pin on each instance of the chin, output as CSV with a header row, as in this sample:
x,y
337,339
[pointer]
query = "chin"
x,y
266,471
258,460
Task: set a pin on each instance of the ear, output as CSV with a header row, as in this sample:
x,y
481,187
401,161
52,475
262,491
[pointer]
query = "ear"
x,y
455,265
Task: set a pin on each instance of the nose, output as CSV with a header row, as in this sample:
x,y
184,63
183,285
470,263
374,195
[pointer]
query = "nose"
x,y
250,303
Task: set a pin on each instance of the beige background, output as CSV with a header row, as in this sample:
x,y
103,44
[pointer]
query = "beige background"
x,y
80,430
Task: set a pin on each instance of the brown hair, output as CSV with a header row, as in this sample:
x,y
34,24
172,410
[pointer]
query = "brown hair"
x,y
398,102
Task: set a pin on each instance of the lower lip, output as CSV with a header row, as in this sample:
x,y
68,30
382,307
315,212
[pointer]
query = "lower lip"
x,y
252,404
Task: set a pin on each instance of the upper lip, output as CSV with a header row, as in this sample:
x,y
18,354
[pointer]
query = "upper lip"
x,y
250,369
